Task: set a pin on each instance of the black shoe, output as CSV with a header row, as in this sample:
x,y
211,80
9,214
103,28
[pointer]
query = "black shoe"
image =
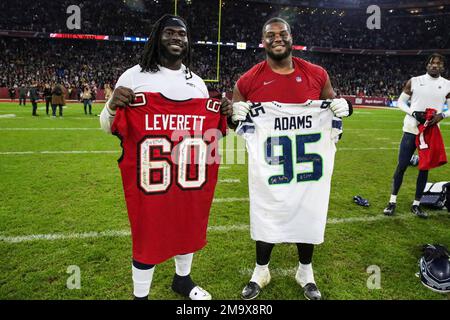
x,y
311,292
140,298
419,212
184,286
251,291
390,209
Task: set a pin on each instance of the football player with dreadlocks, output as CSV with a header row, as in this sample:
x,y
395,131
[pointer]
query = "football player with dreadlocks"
x,y
165,68
430,90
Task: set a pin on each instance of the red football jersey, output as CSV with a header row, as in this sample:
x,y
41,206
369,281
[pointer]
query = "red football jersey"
x,y
169,172
430,145
262,84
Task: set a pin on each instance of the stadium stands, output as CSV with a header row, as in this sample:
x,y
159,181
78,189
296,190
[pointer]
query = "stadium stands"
x,y
77,61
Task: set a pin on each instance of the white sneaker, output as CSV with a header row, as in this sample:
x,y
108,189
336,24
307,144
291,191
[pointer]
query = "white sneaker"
x,y
304,275
305,278
260,279
261,276
198,293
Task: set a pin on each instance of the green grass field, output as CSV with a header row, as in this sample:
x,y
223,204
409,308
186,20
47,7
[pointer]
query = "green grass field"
x,y
76,200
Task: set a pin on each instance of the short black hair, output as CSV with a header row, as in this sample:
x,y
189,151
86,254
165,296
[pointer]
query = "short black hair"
x,y
436,55
275,20
152,50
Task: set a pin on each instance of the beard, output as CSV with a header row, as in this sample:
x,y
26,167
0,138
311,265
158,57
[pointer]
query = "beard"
x,y
434,72
173,57
279,57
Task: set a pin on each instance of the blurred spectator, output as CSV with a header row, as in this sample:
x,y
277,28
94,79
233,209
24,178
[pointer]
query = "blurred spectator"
x,y
86,97
12,93
58,99
23,95
108,91
34,98
93,89
48,97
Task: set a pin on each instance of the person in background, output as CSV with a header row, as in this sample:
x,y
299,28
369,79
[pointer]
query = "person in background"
x,y
34,97
47,97
108,91
86,97
58,99
429,90
12,93
23,94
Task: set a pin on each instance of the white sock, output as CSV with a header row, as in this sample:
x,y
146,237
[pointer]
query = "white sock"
x,y
416,203
393,199
142,281
183,264
256,276
305,274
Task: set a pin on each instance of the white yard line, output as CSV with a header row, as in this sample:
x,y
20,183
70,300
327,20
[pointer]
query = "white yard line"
x,y
117,151
214,229
230,181
277,272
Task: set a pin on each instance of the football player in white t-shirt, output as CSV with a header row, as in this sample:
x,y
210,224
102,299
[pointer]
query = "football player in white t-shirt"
x,y
427,91
164,68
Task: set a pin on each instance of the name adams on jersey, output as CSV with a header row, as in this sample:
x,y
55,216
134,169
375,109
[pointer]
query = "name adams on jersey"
x,y
293,123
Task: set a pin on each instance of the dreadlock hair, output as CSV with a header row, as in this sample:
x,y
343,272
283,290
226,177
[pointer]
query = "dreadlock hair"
x,y
435,55
152,50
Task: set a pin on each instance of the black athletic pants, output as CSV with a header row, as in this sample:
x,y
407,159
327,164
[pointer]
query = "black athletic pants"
x,y
34,107
407,148
48,103
264,250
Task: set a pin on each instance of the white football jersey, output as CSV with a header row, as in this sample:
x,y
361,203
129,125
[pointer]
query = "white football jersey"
x,y
173,84
291,150
427,92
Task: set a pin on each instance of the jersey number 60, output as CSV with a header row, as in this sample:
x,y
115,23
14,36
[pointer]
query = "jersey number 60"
x,y
155,173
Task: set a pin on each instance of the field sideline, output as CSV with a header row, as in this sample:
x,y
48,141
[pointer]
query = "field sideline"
x,y
62,204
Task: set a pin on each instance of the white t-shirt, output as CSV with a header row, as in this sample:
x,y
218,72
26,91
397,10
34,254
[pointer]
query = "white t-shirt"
x,y
173,84
291,150
427,92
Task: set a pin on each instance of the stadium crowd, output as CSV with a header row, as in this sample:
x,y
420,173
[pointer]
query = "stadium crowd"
x,y
76,63
241,21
